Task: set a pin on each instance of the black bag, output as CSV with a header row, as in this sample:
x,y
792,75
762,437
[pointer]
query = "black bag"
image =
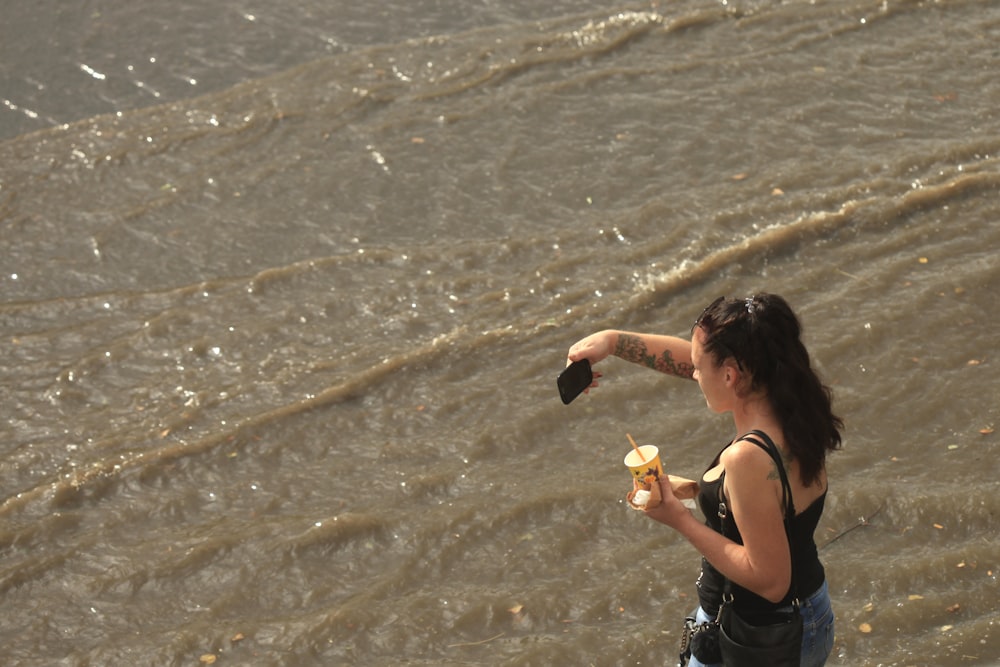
x,y
775,642
772,639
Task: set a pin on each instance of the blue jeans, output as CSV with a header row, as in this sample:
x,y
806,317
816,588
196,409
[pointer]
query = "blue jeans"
x,y
817,629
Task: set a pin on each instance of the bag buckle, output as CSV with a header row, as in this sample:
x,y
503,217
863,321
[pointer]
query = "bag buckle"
x,y
727,598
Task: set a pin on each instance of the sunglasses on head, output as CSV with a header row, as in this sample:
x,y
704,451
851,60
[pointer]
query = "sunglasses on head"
x,y
701,318
716,343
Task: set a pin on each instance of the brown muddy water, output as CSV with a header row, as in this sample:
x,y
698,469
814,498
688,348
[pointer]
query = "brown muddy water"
x,y
285,293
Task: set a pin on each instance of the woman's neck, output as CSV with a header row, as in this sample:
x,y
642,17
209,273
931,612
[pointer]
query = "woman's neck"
x,y
755,413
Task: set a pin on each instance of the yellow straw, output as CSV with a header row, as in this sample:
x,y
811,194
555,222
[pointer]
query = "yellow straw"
x,y
636,447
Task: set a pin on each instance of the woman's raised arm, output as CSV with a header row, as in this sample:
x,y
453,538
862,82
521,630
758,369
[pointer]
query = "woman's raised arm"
x,y
667,354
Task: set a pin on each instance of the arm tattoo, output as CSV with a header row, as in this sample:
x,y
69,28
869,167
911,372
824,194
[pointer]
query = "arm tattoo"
x,y
632,348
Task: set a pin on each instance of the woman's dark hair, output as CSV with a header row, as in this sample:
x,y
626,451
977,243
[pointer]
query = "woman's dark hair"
x,y
763,336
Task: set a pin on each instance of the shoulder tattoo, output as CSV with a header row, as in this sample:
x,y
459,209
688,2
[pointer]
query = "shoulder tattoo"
x,y
786,460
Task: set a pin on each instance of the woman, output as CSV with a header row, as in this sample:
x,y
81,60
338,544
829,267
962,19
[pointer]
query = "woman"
x,y
748,358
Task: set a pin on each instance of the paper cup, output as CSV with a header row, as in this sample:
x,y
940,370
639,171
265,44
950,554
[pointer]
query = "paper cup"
x,y
647,464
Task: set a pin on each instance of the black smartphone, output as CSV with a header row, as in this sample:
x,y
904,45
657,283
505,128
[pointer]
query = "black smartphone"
x,y
574,379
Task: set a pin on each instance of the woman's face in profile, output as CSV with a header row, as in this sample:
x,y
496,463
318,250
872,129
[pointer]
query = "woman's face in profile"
x,y
710,377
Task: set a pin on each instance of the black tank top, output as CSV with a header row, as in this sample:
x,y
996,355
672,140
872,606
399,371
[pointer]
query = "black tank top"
x,y
806,566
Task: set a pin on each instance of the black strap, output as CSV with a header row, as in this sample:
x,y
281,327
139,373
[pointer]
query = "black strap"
x,y
788,503
786,489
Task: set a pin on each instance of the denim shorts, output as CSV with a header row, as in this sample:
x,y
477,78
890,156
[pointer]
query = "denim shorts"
x,y
817,629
